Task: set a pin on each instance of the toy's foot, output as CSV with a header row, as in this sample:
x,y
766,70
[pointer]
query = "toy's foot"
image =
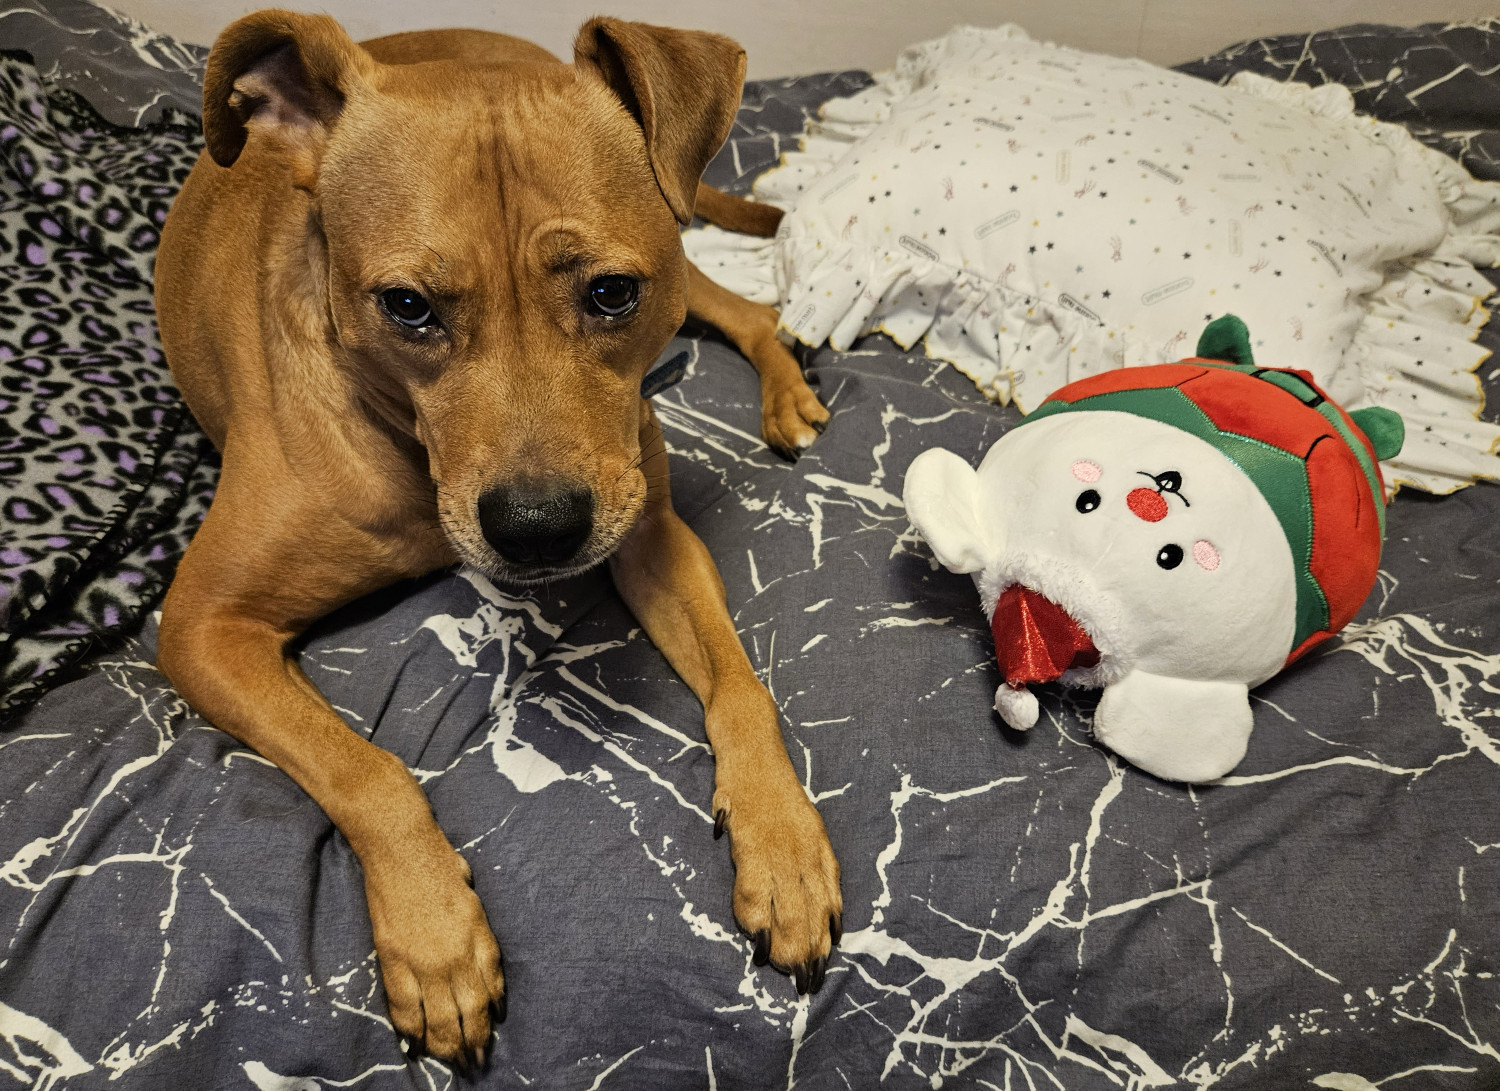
x,y
1176,728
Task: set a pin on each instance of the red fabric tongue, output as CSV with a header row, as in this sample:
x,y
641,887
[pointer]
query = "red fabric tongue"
x,y
1035,639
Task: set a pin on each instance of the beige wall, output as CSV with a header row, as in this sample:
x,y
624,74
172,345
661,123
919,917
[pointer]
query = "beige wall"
x,y
789,37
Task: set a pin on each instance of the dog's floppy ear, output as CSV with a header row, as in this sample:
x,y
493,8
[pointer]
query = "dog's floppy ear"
x,y
682,86
280,73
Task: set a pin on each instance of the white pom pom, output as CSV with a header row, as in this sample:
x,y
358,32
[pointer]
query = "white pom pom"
x,y
1017,706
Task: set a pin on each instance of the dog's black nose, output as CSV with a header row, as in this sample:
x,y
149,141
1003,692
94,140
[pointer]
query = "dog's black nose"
x,y
536,524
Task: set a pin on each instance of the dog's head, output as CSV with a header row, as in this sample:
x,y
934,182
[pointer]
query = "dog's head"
x,y
495,250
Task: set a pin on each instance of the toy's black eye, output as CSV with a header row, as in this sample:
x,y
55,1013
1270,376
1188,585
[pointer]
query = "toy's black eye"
x,y
613,296
407,307
1170,556
1087,501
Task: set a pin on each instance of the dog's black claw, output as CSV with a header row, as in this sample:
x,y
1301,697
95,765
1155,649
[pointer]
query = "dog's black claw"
x,y
720,818
836,927
791,454
802,976
762,953
820,426
500,1007
819,970
413,1047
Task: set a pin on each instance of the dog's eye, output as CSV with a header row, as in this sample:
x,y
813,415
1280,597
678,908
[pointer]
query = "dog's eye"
x,y
1087,501
1169,557
407,307
613,296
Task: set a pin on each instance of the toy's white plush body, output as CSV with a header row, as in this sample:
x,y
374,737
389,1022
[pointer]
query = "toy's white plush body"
x,y
1176,568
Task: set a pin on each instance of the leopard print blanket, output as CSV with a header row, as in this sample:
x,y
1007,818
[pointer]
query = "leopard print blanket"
x,y
104,475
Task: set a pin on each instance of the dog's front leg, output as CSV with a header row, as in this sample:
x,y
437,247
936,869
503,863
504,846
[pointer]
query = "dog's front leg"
x,y
786,888
791,416
259,570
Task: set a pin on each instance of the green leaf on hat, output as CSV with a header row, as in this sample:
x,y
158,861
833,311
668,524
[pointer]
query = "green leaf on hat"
x,y
1226,338
1384,427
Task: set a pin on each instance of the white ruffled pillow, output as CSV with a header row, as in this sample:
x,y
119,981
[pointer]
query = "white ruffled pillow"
x,y
1036,215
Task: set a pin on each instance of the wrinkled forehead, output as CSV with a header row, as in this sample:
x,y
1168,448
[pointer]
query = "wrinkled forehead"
x,y
456,155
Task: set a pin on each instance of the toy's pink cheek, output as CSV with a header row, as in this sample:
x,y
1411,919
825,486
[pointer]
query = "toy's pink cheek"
x,y
1206,555
1086,471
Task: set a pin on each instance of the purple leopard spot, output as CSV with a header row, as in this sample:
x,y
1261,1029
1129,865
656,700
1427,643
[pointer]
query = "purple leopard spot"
x,y
157,554
111,617
51,228
91,430
36,254
131,579
19,509
31,363
10,132
87,193
57,541
60,496
71,454
127,462
36,109
14,556
49,426
51,189
113,216
5,352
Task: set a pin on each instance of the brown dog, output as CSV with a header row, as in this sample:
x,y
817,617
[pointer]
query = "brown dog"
x,y
411,290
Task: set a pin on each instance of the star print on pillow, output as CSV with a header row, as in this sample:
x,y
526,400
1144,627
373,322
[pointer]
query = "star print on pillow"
x,y
1036,215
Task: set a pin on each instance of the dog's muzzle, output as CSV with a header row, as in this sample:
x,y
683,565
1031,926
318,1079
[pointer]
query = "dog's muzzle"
x,y
537,524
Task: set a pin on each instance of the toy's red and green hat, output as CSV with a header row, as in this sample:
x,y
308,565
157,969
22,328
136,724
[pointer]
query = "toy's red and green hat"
x,y
1316,465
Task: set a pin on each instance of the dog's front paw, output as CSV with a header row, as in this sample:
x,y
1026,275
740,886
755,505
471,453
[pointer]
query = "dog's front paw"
x,y
438,957
786,884
791,416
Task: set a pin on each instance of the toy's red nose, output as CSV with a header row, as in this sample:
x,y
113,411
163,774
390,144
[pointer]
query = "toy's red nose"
x,y
1035,639
1148,504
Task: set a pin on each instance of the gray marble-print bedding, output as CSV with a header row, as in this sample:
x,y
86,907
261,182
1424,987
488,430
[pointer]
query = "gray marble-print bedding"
x,y
1021,911
132,75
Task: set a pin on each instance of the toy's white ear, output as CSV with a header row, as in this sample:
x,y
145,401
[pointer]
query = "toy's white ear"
x,y
940,497
1175,728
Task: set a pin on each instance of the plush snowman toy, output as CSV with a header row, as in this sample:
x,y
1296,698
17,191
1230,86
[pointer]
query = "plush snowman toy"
x,y
1175,534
